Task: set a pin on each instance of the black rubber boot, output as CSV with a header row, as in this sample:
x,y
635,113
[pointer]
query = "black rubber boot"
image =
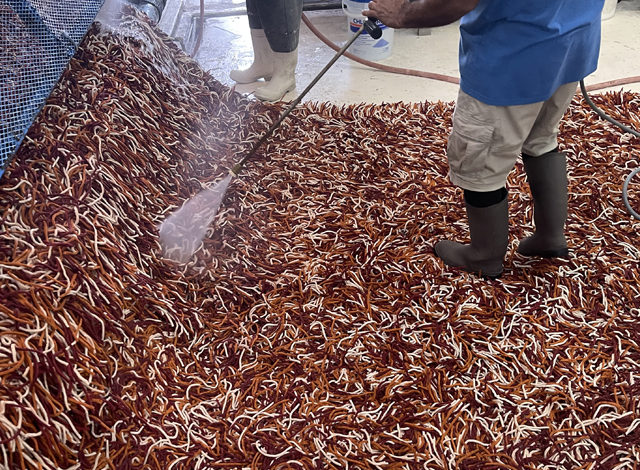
x,y
489,229
547,177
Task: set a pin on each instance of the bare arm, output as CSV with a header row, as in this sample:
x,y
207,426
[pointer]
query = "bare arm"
x,y
419,13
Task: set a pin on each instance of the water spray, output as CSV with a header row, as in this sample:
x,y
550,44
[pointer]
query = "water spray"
x,y
183,231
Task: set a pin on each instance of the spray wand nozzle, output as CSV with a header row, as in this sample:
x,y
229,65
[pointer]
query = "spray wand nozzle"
x,y
371,27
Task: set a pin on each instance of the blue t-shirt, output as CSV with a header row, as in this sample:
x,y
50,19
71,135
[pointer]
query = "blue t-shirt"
x,y
516,52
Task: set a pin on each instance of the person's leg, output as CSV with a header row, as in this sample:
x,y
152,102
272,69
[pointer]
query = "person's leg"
x,y
253,15
281,21
488,217
483,147
262,66
543,136
546,170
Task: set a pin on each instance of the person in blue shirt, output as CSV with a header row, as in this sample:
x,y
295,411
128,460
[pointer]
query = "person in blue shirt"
x,y
275,30
520,62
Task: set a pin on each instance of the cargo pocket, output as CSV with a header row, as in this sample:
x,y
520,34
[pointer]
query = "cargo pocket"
x,y
469,147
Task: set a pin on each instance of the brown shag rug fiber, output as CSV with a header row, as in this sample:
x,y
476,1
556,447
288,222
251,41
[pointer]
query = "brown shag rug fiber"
x,y
314,328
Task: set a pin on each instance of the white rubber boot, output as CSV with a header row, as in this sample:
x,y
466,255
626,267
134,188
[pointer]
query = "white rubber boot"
x,y
262,66
283,79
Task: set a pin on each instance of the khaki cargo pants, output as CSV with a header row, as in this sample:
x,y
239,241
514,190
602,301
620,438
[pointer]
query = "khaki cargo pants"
x,y
486,140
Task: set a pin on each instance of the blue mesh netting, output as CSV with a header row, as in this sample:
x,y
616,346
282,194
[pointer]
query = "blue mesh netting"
x,y
37,39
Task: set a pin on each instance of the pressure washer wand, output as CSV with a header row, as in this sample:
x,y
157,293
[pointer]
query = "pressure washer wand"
x,y
182,232
370,26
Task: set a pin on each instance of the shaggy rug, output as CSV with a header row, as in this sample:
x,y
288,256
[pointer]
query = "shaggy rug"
x,y
314,328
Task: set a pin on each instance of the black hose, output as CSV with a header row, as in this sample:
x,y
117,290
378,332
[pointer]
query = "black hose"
x,y
603,115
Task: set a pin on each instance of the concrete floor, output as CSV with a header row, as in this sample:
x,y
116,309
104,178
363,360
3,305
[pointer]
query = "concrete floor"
x,y
226,45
